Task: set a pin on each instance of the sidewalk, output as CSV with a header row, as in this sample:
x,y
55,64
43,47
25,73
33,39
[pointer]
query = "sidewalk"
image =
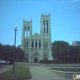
x,y
38,73
5,68
41,73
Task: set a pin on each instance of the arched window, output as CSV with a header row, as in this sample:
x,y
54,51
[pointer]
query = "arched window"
x,y
36,43
44,26
47,27
32,43
39,43
28,31
26,44
45,44
25,31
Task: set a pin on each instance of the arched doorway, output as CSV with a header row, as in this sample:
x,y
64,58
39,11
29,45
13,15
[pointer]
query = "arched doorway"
x,y
35,60
45,58
26,60
36,57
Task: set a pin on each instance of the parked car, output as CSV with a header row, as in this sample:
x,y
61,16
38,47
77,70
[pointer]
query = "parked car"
x,y
2,61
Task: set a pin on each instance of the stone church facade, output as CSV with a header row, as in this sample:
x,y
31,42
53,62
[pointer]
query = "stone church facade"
x,y
38,46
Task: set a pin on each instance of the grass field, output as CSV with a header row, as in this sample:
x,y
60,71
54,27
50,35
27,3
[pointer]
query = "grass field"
x,y
21,73
67,69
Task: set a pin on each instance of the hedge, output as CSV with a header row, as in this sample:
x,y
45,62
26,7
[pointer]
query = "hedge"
x,y
53,61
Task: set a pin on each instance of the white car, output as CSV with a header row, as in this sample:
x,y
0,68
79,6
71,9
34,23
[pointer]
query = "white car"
x,y
2,61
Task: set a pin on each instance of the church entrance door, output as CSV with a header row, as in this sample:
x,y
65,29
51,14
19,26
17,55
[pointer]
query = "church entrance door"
x,y
35,60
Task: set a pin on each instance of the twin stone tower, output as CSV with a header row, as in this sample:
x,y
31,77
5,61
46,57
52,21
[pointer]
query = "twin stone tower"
x,y
38,46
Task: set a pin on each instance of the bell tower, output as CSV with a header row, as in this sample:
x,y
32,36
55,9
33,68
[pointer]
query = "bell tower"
x,y
26,31
45,32
26,38
45,25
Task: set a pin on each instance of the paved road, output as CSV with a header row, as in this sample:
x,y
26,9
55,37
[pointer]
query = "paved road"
x,y
1,67
5,68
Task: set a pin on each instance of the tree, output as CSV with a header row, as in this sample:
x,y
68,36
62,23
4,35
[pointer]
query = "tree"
x,y
7,51
74,54
19,54
1,51
59,50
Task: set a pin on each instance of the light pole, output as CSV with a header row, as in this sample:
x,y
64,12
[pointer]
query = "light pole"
x,y
13,70
68,55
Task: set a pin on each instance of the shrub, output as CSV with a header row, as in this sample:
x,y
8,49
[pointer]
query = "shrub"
x,y
53,61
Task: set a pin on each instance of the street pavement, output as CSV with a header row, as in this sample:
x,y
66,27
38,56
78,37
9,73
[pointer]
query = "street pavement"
x,y
5,68
42,73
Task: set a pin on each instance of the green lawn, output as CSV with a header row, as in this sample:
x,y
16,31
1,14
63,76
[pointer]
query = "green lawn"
x,y
67,69
21,73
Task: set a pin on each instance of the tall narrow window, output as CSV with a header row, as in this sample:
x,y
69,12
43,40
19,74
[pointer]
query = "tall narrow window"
x,y
39,43
47,26
44,26
36,43
25,31
28,31
46,44
32,43
27,44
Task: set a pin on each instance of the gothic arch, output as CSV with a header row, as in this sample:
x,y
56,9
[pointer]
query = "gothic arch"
x,y
45,57
36,54
26,58
36,57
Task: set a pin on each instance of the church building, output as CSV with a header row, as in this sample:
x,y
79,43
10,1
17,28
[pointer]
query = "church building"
x,y
38,46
